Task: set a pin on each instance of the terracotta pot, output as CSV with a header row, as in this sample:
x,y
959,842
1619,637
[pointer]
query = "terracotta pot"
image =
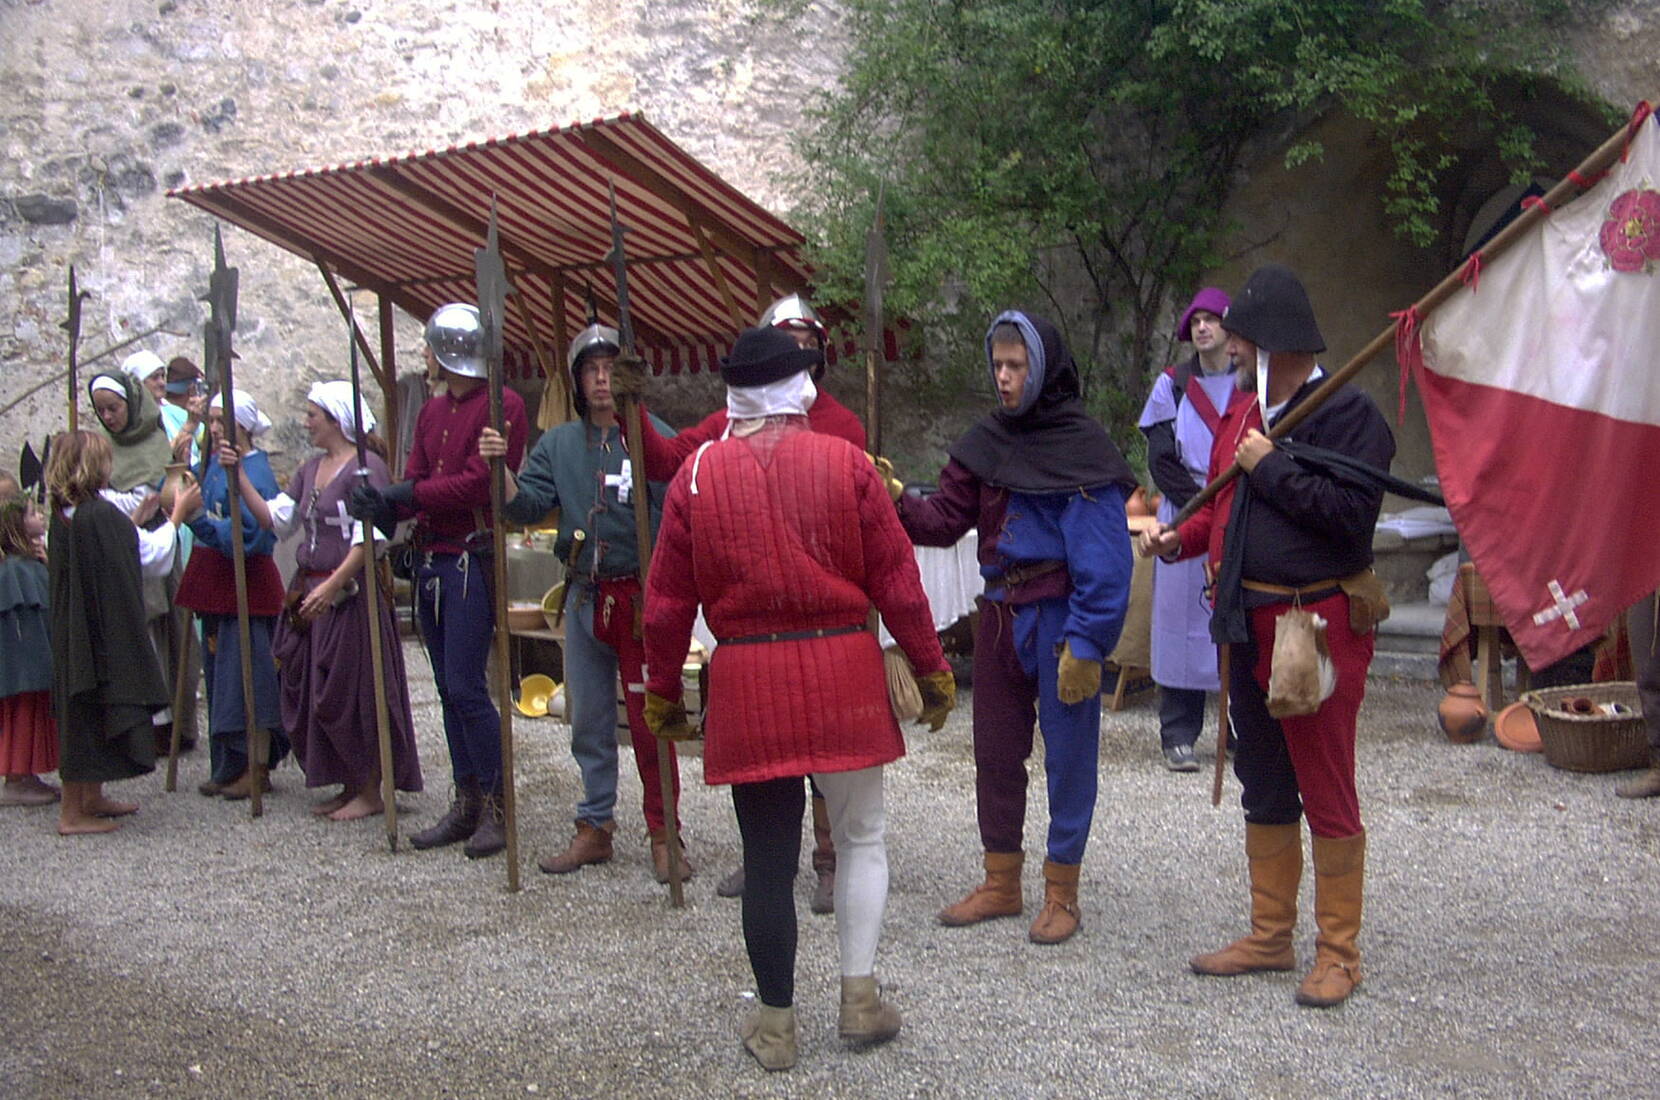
x,y
1463,718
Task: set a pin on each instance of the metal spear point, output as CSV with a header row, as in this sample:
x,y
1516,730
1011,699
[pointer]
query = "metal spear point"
x,y
493,289
876,279
72,325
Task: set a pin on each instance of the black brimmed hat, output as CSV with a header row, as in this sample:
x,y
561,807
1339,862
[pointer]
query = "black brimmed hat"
x,y
1272,311
763,355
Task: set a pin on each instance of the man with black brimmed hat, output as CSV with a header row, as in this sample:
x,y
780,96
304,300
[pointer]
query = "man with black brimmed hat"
x,y
1295,531
793,539
1045,486
583,469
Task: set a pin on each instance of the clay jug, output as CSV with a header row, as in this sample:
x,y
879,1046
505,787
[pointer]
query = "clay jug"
x,y
1463,718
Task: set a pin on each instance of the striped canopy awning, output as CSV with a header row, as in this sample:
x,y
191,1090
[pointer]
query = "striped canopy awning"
x,y
703,260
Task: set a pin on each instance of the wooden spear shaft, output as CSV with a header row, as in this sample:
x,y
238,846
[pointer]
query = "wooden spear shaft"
x,y
184,683
666,755
1601,158
254,734
504,692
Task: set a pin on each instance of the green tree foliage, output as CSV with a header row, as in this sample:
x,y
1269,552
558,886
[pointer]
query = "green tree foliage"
x,y
1072,156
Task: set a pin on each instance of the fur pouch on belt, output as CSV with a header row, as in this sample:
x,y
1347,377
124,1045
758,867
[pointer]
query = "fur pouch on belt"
x,y
1301,676
903,694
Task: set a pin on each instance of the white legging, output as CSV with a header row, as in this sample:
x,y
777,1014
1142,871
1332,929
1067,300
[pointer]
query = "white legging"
x,y
858,823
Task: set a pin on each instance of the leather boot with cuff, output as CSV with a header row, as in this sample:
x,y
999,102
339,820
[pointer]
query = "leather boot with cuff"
x,y
491,835
1339,871
660,857
1060,917
1275,856
1644,784
998,896
591,844
865,1017
824,860
458,823
769,1035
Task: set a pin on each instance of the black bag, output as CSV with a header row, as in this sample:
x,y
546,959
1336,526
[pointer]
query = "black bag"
x,y
401,557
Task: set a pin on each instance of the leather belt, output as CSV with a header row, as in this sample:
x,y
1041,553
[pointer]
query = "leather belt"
x,y
1292,593
1020,574
793,635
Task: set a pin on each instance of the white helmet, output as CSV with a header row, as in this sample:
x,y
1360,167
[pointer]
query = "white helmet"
x,y
456,338
794,312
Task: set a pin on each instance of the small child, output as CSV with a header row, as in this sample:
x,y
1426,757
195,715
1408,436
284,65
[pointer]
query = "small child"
x,y
28,735
106,683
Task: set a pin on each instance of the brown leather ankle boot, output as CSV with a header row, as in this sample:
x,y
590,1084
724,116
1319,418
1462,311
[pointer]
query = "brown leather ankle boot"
x,y
1339,871
491,835
591,844
998,896
1644,784
660,857
1060,917
1275,855
458,823
824,860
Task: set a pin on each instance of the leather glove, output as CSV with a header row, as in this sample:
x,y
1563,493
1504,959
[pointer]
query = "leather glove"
x,y
628,377
382,506
939,696
890,480
1078,680
668,719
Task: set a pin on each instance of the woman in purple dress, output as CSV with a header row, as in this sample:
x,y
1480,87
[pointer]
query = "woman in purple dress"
x,y
322,640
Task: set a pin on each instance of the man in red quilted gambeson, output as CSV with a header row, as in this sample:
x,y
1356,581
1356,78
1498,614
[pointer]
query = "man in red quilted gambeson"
x,y
793,539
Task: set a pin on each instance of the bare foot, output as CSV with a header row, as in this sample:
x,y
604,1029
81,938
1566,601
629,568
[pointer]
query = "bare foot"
x,y
100,806
366,804
81,826
327,807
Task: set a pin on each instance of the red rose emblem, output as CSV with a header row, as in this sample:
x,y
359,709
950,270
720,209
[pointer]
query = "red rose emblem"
x,y
1631,235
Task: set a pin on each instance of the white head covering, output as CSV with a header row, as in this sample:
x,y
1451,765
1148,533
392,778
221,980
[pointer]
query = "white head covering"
x,y
105,382
142,364
791,396
335,398
254,422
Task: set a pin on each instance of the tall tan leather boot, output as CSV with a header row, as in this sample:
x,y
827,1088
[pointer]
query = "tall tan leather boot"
x,y
1275,853
769,1035
1339,869
865,1017
1645,784
1060,917
998,896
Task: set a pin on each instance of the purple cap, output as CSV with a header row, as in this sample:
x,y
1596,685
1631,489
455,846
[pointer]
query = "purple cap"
x,y
1212,300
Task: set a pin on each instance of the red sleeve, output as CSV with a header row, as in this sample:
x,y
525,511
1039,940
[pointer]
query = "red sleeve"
x,y
671,593
892,579
664,456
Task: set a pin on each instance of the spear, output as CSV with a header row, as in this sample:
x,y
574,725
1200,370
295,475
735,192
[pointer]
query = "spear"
x,y
72,325
632,418
876,278
493,288
221,298
371,589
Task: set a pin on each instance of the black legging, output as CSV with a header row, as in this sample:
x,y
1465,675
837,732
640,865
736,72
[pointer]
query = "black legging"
x,y
769,820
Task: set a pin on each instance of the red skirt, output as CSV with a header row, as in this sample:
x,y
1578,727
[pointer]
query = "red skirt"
x,y
28,735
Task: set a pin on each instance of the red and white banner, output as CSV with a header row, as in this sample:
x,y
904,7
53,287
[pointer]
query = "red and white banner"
x,y
1541,382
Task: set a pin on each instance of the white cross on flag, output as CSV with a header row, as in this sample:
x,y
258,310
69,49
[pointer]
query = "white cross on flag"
x,y
1542,388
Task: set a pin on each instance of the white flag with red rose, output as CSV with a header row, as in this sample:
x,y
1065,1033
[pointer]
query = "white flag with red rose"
x,y
1542,387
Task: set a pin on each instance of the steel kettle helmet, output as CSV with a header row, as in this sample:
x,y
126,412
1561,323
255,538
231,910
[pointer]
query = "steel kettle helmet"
x,y
456,337
596,339
794,312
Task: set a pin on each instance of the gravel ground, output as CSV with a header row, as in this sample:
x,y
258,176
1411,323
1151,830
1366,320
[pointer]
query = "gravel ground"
x,y
1509,945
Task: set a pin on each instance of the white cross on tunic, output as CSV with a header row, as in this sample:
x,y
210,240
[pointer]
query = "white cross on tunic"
x,y
622,482
1562,606
343,520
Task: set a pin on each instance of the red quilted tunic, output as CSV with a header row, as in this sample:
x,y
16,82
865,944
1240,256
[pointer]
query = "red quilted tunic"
x,y
787,530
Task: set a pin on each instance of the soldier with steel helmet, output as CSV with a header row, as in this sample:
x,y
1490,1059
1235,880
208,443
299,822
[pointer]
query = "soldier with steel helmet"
x,y
447,490
583,469
827,416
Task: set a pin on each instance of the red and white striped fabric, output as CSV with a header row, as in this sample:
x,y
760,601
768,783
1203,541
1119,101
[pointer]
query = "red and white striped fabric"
x,y
1542,387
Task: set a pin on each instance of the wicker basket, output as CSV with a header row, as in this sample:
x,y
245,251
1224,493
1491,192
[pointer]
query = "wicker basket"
x,y
1596,742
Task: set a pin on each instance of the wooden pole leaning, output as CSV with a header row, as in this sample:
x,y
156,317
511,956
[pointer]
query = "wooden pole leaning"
x,y
504,693
256,738
633,419
377,636
1577,180
183,686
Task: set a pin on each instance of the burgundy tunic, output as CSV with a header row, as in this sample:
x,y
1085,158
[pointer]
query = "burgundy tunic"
x,y
452,481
